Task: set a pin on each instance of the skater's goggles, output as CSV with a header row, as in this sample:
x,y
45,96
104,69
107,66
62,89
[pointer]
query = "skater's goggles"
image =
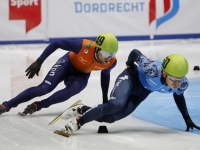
x,y
174,79
106,54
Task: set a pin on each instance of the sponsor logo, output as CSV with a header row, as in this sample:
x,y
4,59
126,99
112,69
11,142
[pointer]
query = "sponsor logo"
x,y
60,61
47,82
124,77
106,7
171,7
98,67
53,69
82,60
120,79
85,51
88,45
28,10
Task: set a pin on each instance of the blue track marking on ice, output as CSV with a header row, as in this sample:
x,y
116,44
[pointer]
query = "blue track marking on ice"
x,y
161,108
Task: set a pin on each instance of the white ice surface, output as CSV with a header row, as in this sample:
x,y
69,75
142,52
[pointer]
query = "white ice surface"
x,y
34,133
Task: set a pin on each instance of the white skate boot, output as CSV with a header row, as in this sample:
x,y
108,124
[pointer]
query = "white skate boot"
x,y
72,112
73,125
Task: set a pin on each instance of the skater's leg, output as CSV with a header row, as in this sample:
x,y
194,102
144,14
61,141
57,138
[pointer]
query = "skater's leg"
x,y
74,85
130,106
57,74
118,99
127,89
139,93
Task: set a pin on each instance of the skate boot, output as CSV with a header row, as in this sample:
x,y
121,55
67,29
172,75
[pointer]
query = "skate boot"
x,y
74,125
72,112
30,109
2,109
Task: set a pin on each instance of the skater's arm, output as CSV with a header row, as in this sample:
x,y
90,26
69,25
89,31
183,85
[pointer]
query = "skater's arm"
x,y
69,45
105,80
137,57
133,56
149,67
181,104
180,99
74,46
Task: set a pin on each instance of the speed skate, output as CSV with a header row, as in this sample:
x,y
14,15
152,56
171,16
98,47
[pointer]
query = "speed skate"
x,y
59,116
63,133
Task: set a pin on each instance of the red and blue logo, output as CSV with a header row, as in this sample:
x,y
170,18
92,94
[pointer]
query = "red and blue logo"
x,y
171,7
28,10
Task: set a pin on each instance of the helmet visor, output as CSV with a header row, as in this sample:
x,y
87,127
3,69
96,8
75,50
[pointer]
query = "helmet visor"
x,y
174,79
106,54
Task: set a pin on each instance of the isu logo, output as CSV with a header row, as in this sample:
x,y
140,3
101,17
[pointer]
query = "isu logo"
x,y
28,10
171,7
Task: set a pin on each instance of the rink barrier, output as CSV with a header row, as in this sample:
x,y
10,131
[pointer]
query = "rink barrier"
x,y
120,38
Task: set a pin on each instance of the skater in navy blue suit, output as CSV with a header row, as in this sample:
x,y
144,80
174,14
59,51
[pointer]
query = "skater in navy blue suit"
x,y
133,86
73,69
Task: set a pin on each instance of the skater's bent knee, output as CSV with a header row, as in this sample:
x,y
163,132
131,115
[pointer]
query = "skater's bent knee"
x,y
44,89
77,87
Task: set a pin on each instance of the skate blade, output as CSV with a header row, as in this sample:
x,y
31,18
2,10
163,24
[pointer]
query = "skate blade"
x,y
22,114
59,116
62,132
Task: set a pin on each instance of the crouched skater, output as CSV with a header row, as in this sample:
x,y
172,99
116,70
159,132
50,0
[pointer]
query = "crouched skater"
x,y
133,86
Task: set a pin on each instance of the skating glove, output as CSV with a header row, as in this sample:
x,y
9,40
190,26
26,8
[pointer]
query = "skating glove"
x,y
105,98
132,66
190,123
34,68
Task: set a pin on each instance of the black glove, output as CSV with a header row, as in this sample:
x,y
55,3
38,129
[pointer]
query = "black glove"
x,y
105,98
190,123
132,68
128,65
34,68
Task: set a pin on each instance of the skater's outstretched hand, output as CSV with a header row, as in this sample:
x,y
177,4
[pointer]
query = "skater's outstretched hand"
x,y
34,68
190,124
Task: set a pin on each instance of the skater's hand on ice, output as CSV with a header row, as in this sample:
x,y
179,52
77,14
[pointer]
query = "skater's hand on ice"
x,y
34,68
190,124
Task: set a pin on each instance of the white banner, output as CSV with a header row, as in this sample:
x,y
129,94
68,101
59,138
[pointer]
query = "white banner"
x,y
91,17
23,20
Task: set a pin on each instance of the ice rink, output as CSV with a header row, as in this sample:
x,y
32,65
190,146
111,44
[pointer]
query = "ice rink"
x,y
156,124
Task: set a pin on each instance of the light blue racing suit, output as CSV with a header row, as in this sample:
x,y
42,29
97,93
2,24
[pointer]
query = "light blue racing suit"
x,y
132,86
